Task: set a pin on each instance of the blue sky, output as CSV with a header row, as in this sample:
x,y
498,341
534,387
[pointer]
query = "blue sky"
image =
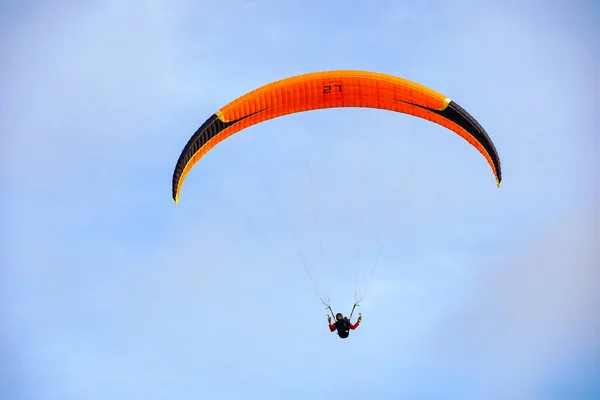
x,y
109,290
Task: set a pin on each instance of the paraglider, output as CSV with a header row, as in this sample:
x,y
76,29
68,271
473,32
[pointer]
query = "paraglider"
x,y
343,325
330,89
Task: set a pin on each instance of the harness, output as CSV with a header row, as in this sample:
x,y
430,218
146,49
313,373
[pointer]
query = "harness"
x,y
343,327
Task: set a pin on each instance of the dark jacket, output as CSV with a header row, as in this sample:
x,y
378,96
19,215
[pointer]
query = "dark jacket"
x,y
343,327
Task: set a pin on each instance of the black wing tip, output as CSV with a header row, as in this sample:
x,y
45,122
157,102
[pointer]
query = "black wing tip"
x,y
188,152
483,137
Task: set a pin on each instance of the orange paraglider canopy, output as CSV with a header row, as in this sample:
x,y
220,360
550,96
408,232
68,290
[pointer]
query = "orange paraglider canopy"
x,y
331,89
